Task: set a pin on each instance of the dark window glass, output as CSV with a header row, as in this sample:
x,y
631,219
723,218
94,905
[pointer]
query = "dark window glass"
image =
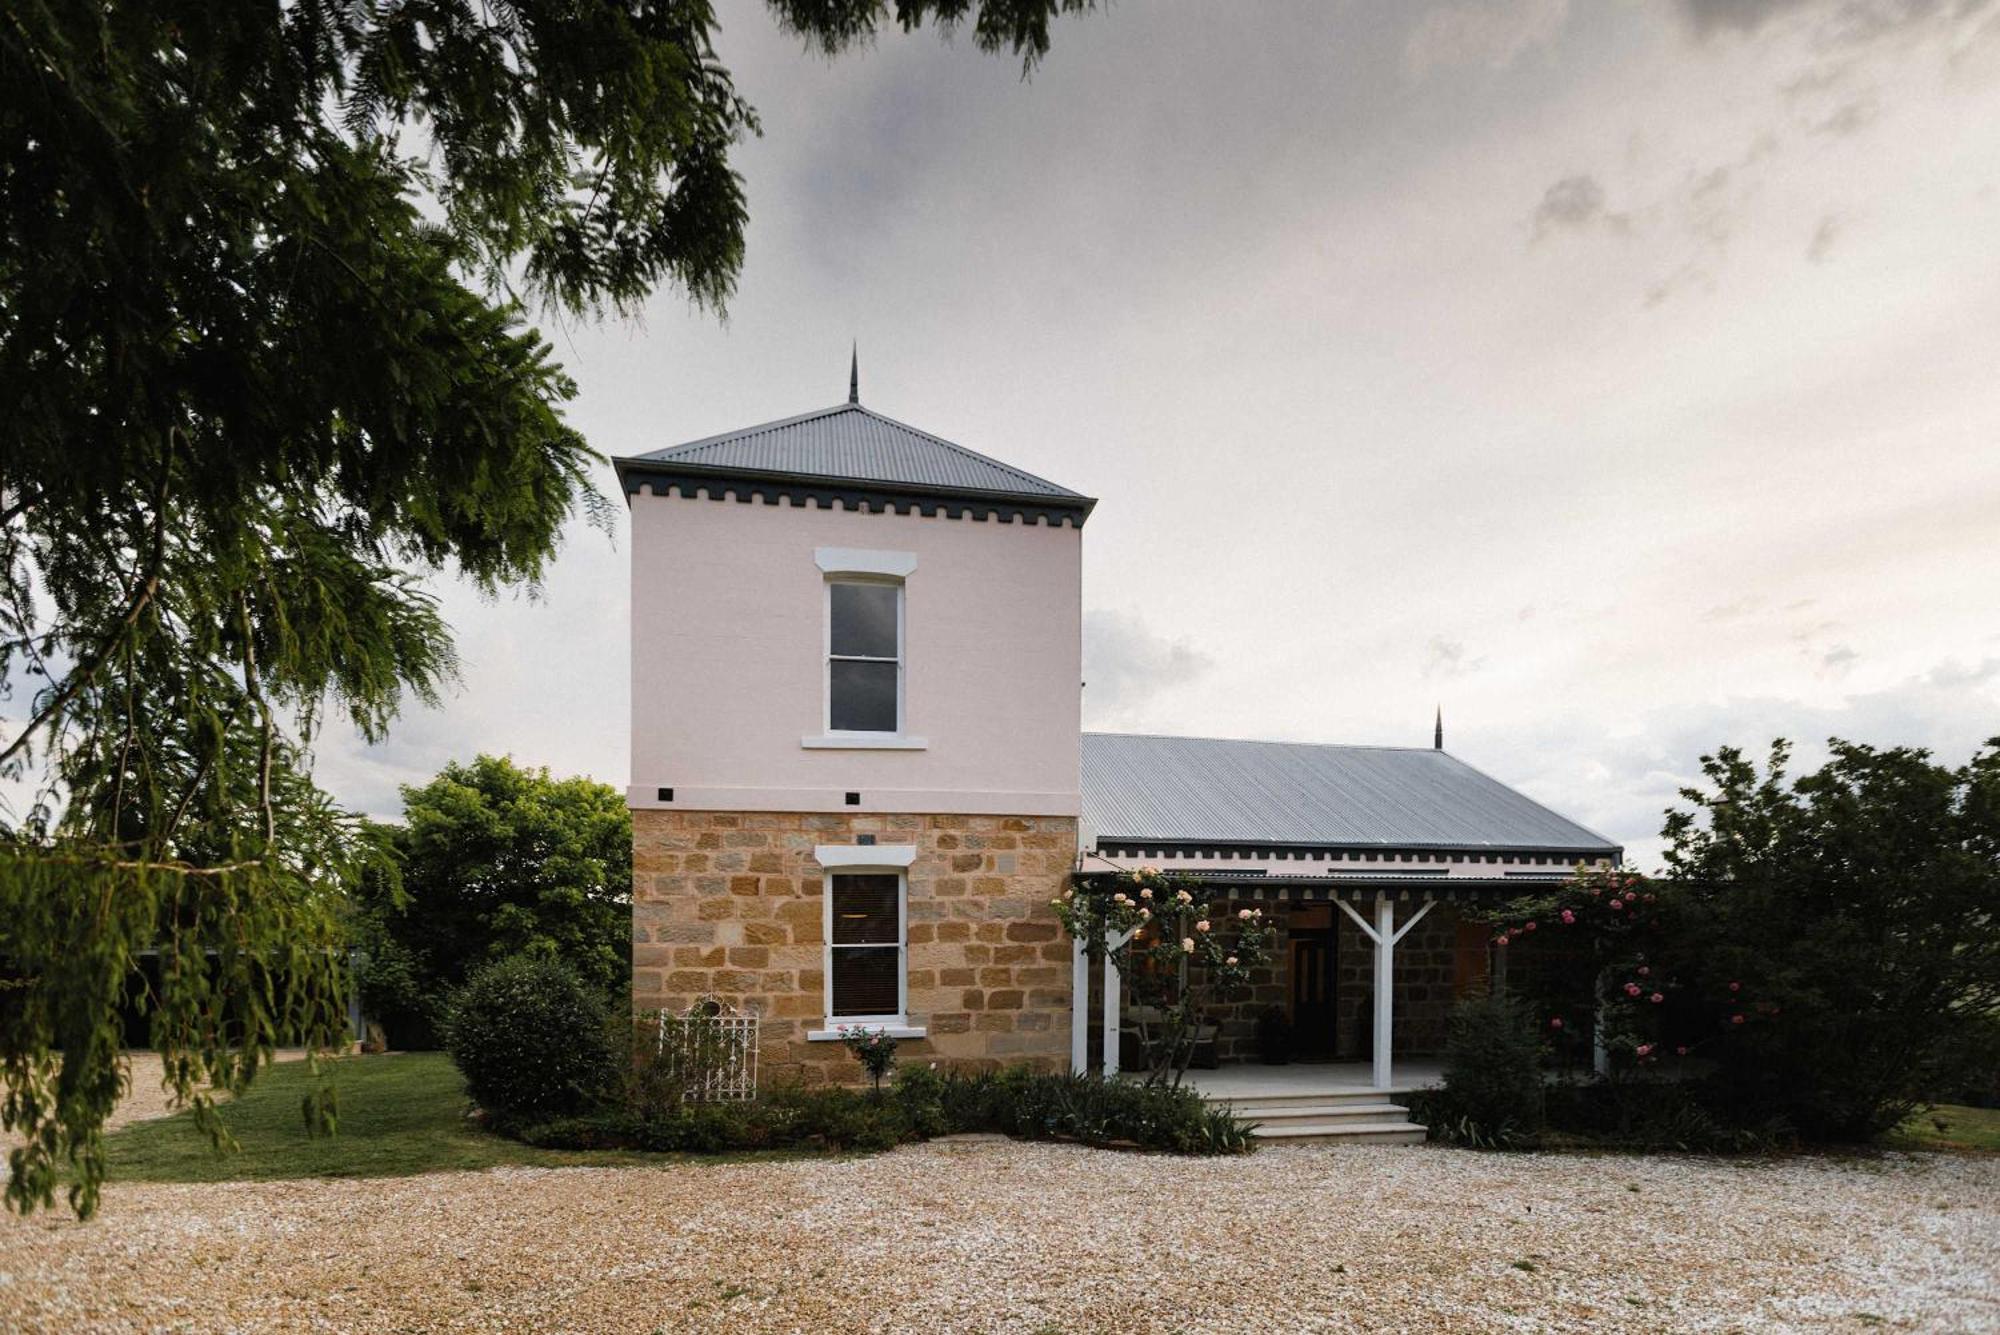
x,y
867,965
864,620
865,911
862,696
865,980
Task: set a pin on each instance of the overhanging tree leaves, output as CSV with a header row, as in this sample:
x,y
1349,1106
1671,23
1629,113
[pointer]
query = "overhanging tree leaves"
x,y
265,366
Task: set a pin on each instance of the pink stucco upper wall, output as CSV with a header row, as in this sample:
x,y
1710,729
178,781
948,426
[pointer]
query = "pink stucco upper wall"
x,y
728,666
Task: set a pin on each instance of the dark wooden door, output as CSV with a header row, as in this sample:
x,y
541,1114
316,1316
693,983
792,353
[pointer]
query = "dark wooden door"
x,y
1313,1011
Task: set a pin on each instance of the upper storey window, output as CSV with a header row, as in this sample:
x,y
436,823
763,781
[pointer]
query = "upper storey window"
x,y
864,662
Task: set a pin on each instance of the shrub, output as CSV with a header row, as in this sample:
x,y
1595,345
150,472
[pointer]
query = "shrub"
x,y
531,1039
875,1049
926,1102
1493,1094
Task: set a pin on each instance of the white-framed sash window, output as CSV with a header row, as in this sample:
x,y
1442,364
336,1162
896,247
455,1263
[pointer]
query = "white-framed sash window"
x,y
864,656
867,951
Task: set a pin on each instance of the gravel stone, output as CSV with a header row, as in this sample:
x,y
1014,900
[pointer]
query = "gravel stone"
x,y
1016,1237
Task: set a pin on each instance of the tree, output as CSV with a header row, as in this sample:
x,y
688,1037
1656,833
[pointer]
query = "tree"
x,y
1853,917
262,278
495,860
1827,948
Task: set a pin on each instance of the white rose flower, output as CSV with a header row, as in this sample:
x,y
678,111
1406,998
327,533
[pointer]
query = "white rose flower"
x,y
1187,945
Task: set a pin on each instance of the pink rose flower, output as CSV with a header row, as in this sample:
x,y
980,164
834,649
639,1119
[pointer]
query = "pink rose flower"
x,y
1556,1023
1631,989
1201,926
1736,987
1230,960
1656,998
1645,1049
1736,1019
1243,915
1568,916
1529,927
1681,1051
1644,970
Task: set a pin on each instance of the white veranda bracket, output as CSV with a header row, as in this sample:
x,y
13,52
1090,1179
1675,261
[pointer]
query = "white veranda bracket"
x,y
1384,934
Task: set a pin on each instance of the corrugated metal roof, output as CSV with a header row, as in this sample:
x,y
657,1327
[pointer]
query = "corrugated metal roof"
x,y
855,444
1208,790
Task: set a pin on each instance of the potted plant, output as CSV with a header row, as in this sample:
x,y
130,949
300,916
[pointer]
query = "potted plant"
x,y
1274,1036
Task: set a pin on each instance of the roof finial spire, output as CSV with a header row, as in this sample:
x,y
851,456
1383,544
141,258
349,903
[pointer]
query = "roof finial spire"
x,y
1437,741
854,374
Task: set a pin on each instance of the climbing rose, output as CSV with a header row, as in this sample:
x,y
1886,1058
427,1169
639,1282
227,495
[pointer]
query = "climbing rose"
x,y
1500,940
1656,998
1145,915
1736,1019
1681,1051
1568,916
1146,893
1736,987
1187,945
1556,1023
1631,989
1118,898
1244,914
1643,971
1230,960
1201,926
1529,928
1645,1049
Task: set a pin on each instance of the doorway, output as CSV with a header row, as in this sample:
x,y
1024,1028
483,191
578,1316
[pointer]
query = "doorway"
x,y
1313,972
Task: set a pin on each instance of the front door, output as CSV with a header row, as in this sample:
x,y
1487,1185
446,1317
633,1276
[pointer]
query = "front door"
x,y
1313,1016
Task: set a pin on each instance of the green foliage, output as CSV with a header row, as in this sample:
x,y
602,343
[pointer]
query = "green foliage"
x,y
1856,909
1178,954
496,860
262,275
400,1114
1016,1102
875,1049
1035,1106
1654,1114
1493,1094
531,1038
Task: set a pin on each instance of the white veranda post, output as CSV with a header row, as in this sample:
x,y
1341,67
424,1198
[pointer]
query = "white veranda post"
x,y
1079,1005
1385,935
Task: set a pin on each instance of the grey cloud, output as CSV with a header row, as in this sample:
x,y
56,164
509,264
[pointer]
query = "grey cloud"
x,y
1575,202
1127,666
1823,238
1838,659
1622,784
1850,117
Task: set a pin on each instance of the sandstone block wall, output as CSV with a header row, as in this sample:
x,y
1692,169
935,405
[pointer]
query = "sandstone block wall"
x,y
730,905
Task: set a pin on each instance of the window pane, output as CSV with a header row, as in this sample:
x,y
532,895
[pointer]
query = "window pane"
x,y
864,619
865,910
863,697
865,980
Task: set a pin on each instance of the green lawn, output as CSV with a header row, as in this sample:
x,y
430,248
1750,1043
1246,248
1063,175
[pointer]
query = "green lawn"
x,y
400,1113
1951,1127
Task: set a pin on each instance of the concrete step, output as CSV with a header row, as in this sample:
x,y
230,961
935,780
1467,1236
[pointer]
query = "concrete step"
x,y
1367,1112
1324,1098
1335,1131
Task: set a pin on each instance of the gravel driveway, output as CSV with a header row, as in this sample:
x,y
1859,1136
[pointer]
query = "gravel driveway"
x,y
1040,1238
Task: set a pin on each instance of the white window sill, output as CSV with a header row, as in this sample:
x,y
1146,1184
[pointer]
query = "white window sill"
x,y
896,1029
863,741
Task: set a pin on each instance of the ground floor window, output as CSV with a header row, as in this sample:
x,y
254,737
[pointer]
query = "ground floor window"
x,y
865,946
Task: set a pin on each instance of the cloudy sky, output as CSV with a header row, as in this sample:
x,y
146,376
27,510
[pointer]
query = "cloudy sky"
x,y
1625,377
